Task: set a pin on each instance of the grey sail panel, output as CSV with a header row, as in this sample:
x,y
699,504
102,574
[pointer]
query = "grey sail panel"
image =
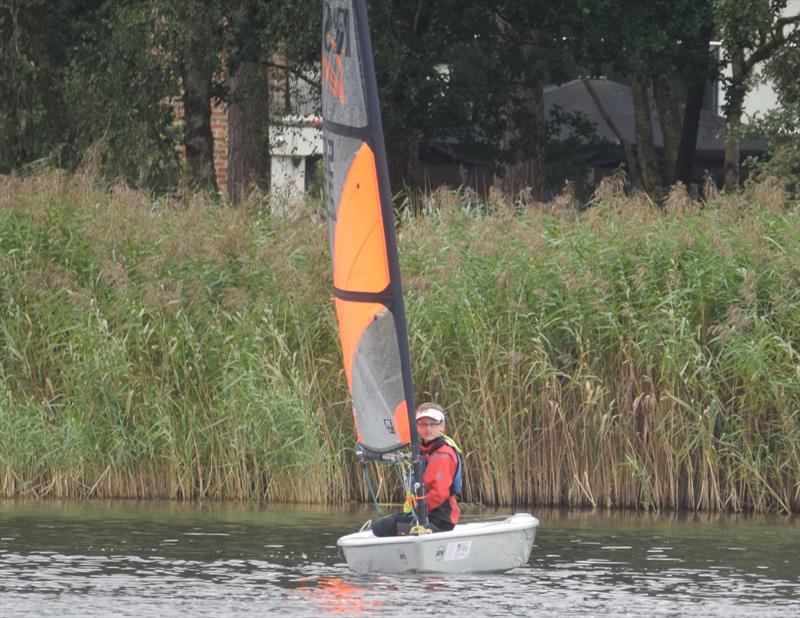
x,y
378,385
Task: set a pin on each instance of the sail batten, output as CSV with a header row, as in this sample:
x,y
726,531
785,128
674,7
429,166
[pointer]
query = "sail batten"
x,y
345,131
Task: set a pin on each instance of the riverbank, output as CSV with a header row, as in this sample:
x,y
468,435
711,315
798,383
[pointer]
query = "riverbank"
x,y
624,356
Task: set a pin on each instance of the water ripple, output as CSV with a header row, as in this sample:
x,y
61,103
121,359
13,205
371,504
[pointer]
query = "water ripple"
x,y
262,562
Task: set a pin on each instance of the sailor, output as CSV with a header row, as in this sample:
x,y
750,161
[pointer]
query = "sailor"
x,y
442,477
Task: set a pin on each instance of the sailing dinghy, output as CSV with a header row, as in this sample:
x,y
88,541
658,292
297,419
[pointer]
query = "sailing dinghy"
x,y
372,325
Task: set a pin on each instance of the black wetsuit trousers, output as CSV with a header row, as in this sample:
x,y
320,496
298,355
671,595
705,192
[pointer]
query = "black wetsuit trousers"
x,y
399,524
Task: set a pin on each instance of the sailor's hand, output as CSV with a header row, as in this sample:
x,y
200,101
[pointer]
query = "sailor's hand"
x,y
419,530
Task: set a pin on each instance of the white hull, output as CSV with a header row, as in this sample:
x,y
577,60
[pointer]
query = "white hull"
x,y
468,548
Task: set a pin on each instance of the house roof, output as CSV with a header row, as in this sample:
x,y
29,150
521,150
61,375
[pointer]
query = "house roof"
x,y
617,100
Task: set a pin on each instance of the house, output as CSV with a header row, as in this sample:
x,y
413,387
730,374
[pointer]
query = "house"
x,y
616,98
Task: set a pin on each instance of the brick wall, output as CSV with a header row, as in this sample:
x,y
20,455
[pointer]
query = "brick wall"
x,y
219,129
219,120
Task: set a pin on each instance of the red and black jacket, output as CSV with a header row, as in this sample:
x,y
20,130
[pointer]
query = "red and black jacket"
x,y
441,464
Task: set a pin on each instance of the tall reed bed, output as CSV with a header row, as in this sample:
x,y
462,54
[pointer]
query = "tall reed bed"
x,y
625,356
165,348
622,356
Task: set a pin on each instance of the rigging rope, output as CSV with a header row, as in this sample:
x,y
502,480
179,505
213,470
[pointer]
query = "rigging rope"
x,y
405,470
371,489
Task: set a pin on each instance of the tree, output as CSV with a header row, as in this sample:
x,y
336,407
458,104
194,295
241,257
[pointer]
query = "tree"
x,y
33,55
665,67
190,35
224,50
751,32
611,36
103,76
409,41
438,77
698,69
781,126
80,76
248,98
529,37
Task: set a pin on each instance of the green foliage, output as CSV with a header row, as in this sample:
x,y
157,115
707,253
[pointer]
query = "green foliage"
x,y
622,356
753,32
85,78
781,126
36,37
437,76
619,36
747,30
93,82
746,24
119,92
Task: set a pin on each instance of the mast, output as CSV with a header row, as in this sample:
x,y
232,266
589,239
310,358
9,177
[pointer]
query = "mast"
x,y
369,298
399,310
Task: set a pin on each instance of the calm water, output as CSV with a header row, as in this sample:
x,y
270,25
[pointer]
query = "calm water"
x,y
166,559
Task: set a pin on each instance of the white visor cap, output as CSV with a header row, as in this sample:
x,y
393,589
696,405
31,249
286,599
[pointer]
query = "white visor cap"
x,y
432,413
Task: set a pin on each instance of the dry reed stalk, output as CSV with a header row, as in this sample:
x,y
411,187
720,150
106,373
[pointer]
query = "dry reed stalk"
x,y
611,187
678,201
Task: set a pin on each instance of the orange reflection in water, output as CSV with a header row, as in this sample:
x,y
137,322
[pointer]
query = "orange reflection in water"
x,y
334,594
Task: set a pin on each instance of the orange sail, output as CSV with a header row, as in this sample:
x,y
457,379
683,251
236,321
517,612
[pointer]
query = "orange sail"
x,y
366,272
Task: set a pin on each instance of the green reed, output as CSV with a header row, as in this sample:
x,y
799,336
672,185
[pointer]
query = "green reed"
x,y
158,349
623,356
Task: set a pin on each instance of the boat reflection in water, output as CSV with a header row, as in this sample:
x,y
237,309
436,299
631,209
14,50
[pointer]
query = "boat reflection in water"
x,y
334,595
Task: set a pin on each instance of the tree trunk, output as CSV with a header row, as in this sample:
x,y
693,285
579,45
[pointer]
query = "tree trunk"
x,y
526,173
198,139
667,91
248,130
524,135
630,159
643,124
695,92
691,124
733,114
734,121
